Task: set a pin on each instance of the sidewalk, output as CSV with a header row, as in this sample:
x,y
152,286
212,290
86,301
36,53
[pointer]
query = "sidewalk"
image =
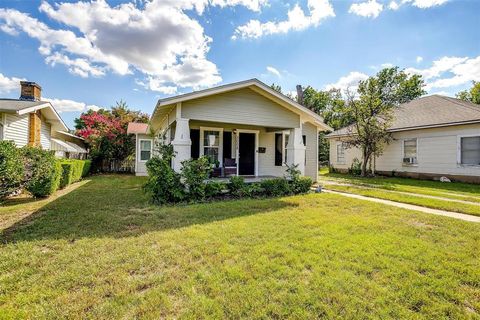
x,y
455,215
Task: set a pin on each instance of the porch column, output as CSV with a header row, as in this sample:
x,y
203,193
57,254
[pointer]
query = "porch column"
x,y
296,149
181,143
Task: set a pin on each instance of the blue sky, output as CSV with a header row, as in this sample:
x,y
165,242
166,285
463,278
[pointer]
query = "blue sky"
x,y
91,54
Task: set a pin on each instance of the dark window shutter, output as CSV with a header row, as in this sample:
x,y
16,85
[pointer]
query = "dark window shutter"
x,y
195,148
227,145
304,137
278,149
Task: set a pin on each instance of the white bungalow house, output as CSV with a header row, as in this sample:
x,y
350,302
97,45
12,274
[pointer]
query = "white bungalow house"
x,y
433,136
246,128
31,121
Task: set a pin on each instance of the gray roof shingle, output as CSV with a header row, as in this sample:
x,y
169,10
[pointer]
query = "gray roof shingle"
x,y
429,111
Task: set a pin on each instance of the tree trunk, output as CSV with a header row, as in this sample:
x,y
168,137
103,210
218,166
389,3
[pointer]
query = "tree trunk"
x,y
364,163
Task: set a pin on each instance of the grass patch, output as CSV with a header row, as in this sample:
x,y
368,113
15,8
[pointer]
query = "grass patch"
x,y
102,252
472,209
453,190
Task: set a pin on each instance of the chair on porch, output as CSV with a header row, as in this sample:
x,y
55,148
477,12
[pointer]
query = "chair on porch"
x,y
229,167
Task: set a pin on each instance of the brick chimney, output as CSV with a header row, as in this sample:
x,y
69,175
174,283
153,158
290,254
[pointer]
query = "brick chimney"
x,y
299,94
30,91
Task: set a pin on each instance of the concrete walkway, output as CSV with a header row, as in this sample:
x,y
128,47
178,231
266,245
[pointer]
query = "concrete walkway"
x,y
404,193
455,215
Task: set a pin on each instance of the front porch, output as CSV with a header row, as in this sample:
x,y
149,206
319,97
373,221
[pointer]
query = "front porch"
x,y
241,150
247,179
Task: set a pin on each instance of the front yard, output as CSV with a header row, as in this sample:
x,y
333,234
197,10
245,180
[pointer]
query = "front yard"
x,y
455,196
101,251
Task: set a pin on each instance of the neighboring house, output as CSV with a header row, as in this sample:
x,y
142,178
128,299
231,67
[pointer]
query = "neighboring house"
x,y
30,121
433,136
246,128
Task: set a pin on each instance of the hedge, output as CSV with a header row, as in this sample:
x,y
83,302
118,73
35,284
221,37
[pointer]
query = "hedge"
x,y
11,169
73,171
43,171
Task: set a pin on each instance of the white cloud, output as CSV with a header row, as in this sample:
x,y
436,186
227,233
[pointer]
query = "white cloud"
x,y
387,65
419,59
368,9
65,105
424,4
349,82
156,38
274,71
296,20
8,85
393,6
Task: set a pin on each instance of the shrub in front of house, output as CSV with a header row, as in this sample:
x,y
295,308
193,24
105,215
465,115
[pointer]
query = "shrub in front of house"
x,y
194,172
67,174
73,170
214,189
43,171
11,169
164,184
275,187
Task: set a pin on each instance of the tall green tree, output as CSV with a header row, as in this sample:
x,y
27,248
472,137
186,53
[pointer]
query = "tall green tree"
x,y
371,109
472,94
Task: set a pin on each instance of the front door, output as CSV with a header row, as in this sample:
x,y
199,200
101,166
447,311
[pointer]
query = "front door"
x,y
246,150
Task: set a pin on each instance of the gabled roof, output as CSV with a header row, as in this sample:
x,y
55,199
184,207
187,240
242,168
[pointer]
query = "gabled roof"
x,y
21,107
164,106
137,127
428,112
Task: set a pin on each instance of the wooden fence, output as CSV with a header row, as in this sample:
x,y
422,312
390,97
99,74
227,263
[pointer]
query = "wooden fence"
x,y
117,166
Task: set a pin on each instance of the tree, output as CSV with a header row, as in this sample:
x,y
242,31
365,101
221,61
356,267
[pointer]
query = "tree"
x,y
276,87
105,131
372,109
472,95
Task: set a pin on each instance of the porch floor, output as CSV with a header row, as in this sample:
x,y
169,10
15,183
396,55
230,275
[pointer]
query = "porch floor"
x,y
248,179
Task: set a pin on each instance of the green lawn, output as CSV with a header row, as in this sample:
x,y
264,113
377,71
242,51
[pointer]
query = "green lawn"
x,y
102,252
454,190
473,209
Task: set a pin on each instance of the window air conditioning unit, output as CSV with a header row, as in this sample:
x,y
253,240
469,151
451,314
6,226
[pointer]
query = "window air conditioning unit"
x,y
411,160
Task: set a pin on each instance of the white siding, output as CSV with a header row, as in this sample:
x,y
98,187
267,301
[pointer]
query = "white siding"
x,y
240,107
140,166
437,150
45,135
16,129
311,152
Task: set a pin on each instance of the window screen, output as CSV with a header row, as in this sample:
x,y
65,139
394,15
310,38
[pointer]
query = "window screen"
x,y
278,149
340,153
410,150
470,150
145,149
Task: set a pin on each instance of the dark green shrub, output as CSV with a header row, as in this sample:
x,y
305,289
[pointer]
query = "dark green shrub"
x,y
164,184
301,185
237,186
356,167
67,174
275,187
214,189
87,164
252,190
11,169
194,173
43,171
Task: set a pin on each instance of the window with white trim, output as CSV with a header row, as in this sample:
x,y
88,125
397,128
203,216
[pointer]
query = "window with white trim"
x,y
145,150
470,150
211,145
410,151
340,152
286,136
